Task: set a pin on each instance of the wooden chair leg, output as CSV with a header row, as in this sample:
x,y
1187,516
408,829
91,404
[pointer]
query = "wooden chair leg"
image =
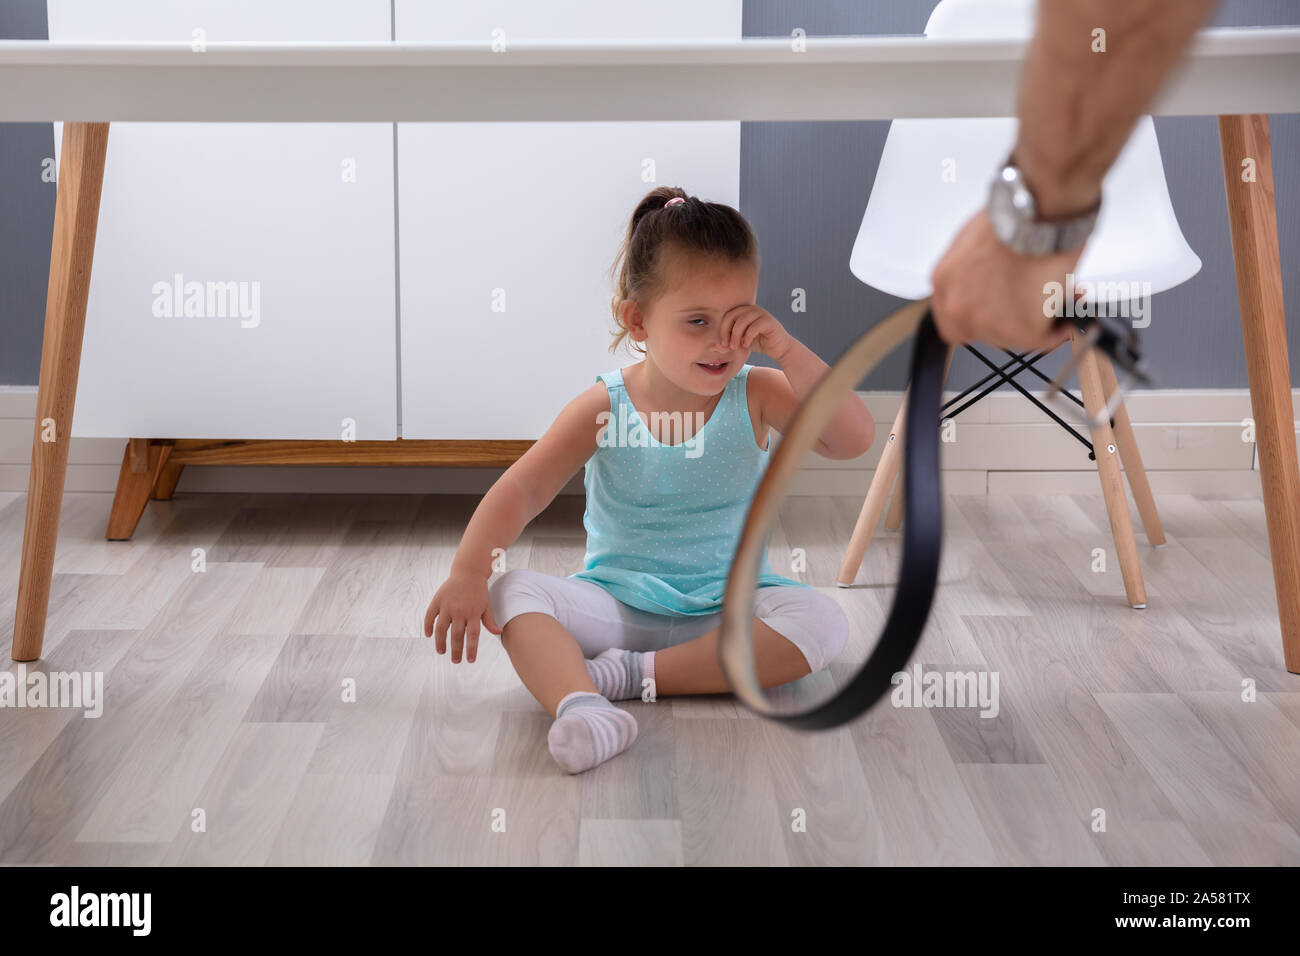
x,y
874,504
889,471
1112,482
894,519
142,461
1252,216
1131,458
76,218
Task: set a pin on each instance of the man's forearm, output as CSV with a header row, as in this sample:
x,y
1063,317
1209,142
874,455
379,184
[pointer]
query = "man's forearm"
x,y
1078,107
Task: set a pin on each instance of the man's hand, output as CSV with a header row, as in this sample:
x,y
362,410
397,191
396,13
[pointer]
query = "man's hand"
x,y
1077,106
985,292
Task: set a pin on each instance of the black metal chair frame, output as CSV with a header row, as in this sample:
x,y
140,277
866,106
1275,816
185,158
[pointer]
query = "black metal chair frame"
x,y
1025,364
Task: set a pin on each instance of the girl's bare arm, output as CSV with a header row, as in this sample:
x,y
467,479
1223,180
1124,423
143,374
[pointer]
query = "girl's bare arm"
x,y
526,488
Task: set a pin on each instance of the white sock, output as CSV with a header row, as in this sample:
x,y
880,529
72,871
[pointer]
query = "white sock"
x,y
588,730
617,673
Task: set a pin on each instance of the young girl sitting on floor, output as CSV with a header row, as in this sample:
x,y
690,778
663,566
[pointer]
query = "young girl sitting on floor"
x,y
674,447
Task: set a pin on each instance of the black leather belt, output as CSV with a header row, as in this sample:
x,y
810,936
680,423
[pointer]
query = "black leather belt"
x,y
922,508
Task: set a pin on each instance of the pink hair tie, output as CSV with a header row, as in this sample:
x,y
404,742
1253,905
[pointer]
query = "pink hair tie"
x,y
674,201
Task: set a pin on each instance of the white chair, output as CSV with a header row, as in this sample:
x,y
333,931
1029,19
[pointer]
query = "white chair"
x,y
932,177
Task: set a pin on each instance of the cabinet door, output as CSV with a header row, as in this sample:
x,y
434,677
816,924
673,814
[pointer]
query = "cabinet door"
x,y
508,230
243,281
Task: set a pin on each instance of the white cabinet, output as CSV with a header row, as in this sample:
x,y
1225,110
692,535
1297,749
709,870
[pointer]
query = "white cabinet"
x,y
282,237
530,216
246,283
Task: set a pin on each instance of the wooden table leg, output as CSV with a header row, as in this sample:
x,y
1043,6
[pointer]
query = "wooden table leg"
x,y
76,217
1252,217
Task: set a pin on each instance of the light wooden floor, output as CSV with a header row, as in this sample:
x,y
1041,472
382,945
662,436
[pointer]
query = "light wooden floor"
x,y
224,697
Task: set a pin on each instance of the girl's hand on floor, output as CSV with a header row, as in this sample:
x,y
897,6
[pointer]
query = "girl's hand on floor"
x,y
752,327
459,606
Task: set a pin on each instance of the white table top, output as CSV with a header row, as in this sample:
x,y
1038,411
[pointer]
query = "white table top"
x,y
1226,70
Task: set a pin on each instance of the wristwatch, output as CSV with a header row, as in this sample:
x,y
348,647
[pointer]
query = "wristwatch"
x,y
1014,215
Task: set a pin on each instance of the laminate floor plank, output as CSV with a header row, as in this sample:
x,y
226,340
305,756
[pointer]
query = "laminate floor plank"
x,y
270,698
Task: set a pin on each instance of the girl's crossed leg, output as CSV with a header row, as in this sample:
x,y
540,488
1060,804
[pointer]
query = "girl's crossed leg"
x,y
551,626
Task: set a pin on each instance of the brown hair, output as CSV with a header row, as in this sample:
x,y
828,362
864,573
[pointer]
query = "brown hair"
x,y
693,227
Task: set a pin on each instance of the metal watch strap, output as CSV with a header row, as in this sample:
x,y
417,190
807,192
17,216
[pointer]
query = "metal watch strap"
x,y
1016,217
1042,238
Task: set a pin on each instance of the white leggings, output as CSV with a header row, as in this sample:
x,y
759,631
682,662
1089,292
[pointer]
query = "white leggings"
x,y
808,619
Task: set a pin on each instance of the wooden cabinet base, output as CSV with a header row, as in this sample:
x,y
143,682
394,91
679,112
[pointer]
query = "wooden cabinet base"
x,y
151,467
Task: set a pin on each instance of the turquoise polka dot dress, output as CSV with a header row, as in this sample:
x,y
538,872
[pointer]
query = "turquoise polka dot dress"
x,y
663,520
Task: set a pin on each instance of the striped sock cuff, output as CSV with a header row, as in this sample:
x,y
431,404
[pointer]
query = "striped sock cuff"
x,y
568,699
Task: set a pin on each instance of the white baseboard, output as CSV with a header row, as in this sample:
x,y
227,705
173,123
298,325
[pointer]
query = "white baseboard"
x,y
1191,442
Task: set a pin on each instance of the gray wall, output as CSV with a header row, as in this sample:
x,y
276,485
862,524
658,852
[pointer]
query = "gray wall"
x,y
26,218
804,187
